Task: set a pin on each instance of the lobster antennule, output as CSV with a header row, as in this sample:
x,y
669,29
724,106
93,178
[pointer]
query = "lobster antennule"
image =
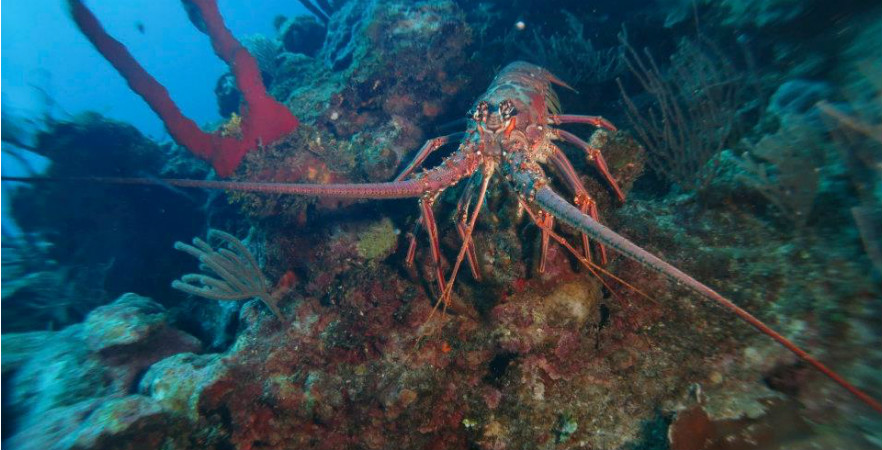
x,y
552,78
569,214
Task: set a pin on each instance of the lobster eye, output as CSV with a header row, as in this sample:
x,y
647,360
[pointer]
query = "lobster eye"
x,y
481,111
507,109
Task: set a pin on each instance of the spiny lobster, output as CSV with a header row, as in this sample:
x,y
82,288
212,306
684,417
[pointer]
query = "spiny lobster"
x,y
510,132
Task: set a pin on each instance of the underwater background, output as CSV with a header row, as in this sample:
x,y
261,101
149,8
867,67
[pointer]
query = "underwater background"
x,y
747,142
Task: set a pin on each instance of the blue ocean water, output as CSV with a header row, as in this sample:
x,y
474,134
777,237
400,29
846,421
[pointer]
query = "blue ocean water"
x,y
441,224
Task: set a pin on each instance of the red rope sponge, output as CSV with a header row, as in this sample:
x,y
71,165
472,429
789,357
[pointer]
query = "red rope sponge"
x,y
264,120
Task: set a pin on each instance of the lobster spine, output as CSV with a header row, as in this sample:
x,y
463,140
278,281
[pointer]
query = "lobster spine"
x,y
569,214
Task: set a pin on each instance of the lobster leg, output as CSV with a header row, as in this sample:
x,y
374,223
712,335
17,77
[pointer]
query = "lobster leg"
x,y
582,199
592,211
460,217
412,237
428,218
460,220
471,255
445,295
545,222
595,157
597,121
430,146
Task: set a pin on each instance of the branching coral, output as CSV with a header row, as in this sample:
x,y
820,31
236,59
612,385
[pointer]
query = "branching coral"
x,y
694,110
264,119
570,55
241,277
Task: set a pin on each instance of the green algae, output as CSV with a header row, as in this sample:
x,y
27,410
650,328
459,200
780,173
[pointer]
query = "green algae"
x,y
377,241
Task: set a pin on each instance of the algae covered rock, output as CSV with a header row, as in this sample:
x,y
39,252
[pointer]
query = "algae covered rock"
x,y
378,240
127,423
59,372
133,322
127,321
532,321
386,70
572,305
177,381
76,382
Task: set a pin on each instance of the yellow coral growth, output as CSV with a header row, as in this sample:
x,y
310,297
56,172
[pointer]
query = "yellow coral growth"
x,y
232,127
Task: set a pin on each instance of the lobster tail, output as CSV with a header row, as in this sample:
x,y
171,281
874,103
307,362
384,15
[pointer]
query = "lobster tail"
x,y
569,214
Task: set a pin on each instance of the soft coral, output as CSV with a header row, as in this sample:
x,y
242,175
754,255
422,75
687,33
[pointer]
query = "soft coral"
x,y
264,120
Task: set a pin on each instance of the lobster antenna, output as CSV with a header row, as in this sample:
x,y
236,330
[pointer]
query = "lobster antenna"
x,y
571,215
389,190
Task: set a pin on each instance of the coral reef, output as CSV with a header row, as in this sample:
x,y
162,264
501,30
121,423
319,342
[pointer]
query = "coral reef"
x,y
351,354
385,72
